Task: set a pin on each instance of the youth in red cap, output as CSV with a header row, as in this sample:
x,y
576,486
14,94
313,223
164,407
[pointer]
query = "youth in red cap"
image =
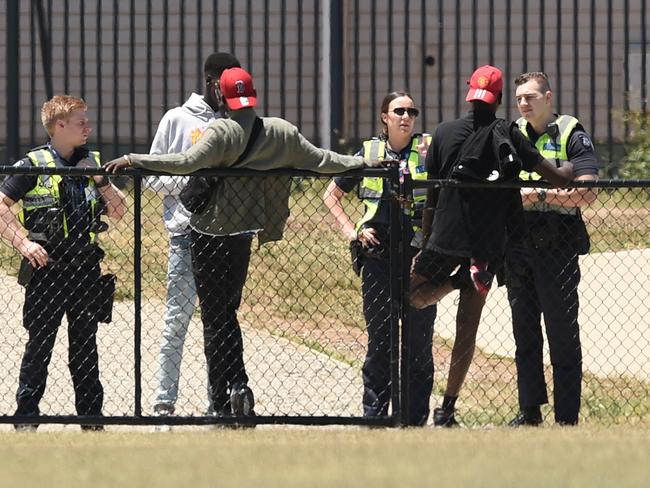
x,y
236,85
485,85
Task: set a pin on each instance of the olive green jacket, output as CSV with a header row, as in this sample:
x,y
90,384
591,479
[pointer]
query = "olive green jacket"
x,y
243,204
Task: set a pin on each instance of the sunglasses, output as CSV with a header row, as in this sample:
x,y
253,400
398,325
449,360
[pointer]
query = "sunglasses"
x,y
412,112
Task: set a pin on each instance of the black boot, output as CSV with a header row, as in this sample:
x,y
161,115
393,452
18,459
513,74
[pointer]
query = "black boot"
x,y
529,416
444,417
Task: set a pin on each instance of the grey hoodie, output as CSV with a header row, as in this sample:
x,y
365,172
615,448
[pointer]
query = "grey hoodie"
x,y
178,130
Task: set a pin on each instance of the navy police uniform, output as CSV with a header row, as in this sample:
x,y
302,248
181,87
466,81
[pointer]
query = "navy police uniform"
x,y
375,285
61,213
542,277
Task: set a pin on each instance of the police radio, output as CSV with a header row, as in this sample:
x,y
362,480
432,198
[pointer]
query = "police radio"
x,y
554,132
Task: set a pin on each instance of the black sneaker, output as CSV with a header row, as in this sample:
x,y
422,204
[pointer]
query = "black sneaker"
x,y
163,409
530,419
444,417
566,423
242,401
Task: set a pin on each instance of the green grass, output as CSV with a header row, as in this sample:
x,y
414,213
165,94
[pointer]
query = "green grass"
x,y
324,457
489,396
615,400
619,220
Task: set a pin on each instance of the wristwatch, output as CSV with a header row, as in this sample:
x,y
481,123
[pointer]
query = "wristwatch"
x,y
541,195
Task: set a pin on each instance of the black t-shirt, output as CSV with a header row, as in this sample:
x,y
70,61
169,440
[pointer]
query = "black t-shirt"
x,y
472,222
72,191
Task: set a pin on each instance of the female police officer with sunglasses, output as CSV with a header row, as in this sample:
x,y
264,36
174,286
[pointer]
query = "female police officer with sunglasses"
x,y
397,141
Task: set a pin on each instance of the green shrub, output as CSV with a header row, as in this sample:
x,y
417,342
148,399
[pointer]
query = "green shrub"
x,y
637,162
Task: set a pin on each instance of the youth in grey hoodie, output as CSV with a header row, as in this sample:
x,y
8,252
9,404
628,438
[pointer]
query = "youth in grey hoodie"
x,y
179,129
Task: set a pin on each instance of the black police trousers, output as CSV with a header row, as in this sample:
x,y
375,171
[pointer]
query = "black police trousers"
x,y
51,293
545,282
220,265
375,285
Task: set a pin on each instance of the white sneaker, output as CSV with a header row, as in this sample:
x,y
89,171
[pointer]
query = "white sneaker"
x,y
163,410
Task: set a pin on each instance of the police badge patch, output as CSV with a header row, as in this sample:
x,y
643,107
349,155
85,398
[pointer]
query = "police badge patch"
x,y
586,142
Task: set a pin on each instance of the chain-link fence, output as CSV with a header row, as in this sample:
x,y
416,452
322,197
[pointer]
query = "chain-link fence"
x,y
302,318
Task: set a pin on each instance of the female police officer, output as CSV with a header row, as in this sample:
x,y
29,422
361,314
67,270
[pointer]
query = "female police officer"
x,y
396,141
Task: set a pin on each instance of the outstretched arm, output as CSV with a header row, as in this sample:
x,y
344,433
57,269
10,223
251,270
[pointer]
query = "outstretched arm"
x,y
569,197
217,148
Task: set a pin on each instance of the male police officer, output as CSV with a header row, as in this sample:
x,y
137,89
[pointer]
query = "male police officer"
x,y
61,216
543,273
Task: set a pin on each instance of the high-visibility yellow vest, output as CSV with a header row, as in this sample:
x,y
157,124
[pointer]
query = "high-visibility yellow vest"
x,y
46,192
553,150
371,189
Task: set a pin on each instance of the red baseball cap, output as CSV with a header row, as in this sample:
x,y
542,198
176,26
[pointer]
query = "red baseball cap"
x,y
236,85
485,84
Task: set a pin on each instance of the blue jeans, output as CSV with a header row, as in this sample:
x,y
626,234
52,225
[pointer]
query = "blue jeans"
x,y
181,302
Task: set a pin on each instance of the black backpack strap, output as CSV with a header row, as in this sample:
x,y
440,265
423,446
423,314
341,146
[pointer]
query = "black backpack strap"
x,y
257,127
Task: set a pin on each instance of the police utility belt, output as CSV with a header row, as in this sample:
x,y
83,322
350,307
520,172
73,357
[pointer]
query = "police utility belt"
x,y
554,230
49,230
103,292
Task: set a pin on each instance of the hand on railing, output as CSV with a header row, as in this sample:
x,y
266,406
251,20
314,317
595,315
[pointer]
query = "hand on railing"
x,y
117,164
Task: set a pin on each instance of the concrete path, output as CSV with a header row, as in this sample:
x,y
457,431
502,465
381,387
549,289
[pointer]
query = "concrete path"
x,y
614,315
288,378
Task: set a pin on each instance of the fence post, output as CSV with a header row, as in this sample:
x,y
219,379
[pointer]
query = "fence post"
x,y
405,195
397,390
46,48
13,75
137,292
336,73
